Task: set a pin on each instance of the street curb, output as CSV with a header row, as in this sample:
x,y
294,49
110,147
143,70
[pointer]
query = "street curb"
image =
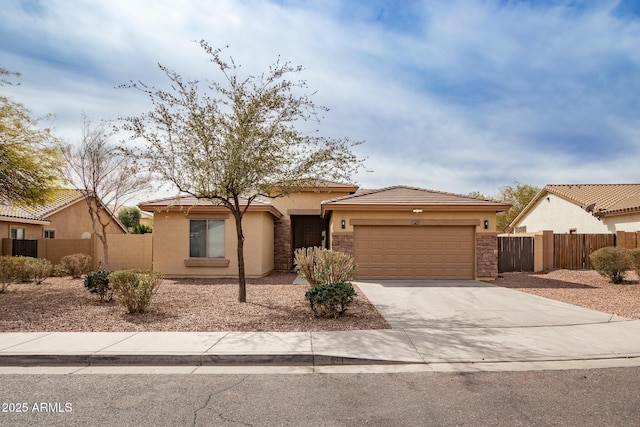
x,y
25,360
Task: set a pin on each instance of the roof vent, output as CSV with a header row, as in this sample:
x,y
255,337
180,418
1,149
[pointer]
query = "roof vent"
x,y
590,208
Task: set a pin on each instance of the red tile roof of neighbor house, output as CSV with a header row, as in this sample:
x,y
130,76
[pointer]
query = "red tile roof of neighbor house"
x,y
59,199
608,199
404,196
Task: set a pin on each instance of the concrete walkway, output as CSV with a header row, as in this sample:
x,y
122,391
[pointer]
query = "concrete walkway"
x,y
436,326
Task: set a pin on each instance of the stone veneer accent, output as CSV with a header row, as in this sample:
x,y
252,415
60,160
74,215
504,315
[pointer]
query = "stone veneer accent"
x,y
282,245
342,242
487,255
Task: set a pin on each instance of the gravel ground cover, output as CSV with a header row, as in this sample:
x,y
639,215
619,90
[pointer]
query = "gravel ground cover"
x,y
584,288
274,304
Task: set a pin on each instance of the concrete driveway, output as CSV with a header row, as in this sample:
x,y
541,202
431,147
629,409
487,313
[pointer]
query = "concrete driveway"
x,y
469,303
460,325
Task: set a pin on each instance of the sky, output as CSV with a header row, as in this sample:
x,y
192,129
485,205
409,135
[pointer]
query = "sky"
x,y
457,96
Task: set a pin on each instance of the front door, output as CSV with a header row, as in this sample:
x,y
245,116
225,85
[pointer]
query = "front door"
x,y
309,230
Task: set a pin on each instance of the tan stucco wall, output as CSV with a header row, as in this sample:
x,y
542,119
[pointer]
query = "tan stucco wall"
x,y
31,231
338,216
171,244
307,200
74,220
127,251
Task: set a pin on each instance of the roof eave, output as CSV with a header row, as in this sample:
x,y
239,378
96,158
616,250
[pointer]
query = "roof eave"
x,y
24,220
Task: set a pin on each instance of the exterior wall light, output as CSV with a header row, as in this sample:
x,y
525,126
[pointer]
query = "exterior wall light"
x,y
417,211
486,224
343,223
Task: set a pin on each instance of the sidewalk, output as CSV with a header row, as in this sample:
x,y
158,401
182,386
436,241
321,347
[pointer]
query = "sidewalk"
x,y
453,349
440,327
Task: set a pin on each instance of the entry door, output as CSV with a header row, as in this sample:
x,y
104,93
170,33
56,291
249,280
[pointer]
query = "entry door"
x,y
309,231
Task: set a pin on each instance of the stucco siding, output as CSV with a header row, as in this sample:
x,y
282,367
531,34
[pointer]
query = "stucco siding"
x,y
561,216
171,245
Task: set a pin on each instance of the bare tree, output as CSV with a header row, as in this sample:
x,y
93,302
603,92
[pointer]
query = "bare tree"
x,y
105,175
240,139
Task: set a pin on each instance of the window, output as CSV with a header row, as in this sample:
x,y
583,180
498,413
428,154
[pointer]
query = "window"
x,y
206,238
17,233
49,234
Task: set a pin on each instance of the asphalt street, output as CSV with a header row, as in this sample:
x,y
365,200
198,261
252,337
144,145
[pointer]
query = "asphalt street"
x,y
599,397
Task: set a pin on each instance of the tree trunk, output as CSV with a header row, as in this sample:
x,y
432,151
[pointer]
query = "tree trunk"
x,y
242,281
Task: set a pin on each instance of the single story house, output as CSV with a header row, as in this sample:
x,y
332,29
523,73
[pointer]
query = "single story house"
x,y
65,216
582,208
395,232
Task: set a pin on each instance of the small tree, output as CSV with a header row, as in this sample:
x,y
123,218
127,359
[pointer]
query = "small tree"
x,y
129,216
519,195
29,157
611,262
104,175
239,140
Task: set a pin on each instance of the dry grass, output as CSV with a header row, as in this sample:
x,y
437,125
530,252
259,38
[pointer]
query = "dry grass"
x,y
274,304
584,288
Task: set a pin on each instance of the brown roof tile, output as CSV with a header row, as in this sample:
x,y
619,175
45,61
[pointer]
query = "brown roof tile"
x,y
412,196
59,199
609,199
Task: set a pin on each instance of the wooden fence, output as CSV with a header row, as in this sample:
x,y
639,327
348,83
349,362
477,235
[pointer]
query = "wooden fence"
x,y
515,254
571,251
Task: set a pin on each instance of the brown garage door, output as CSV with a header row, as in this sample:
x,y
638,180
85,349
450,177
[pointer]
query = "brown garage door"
x,y
403,252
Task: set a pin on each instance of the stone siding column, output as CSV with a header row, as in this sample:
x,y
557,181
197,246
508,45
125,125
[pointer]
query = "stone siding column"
x,y
282,255
342,242
487,255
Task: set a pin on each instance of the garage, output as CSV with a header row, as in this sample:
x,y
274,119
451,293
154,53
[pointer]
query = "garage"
x,y
414,252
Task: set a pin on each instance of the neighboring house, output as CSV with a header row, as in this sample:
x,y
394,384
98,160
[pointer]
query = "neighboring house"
x,y
65,216
582,208
396,232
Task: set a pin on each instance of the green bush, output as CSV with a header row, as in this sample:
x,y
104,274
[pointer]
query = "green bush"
x,y
330,300
320,266
97,282
142,229
611,262
41,269
76,264
134,289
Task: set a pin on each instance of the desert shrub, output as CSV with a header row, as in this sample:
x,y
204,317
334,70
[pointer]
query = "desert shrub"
x,y
634,257
134,289
97,282
76,264
41,269
7,272
59,271
330,300
611,262
22,269
321,266
142,229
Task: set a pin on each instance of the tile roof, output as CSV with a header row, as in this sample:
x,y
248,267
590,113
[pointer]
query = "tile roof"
x,y
401,195
190,202
608,199
59,199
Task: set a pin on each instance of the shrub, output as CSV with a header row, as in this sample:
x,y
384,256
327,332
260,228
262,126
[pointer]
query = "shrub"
x,y
611,262
321,266
142,229
76,264
634,256
59,271
7,272
134,289
330,300
22,268
41,269
97,282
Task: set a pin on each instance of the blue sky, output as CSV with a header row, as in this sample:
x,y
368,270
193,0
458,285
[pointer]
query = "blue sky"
x,y
455,96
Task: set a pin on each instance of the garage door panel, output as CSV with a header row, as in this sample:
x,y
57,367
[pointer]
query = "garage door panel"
x,y
414,252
